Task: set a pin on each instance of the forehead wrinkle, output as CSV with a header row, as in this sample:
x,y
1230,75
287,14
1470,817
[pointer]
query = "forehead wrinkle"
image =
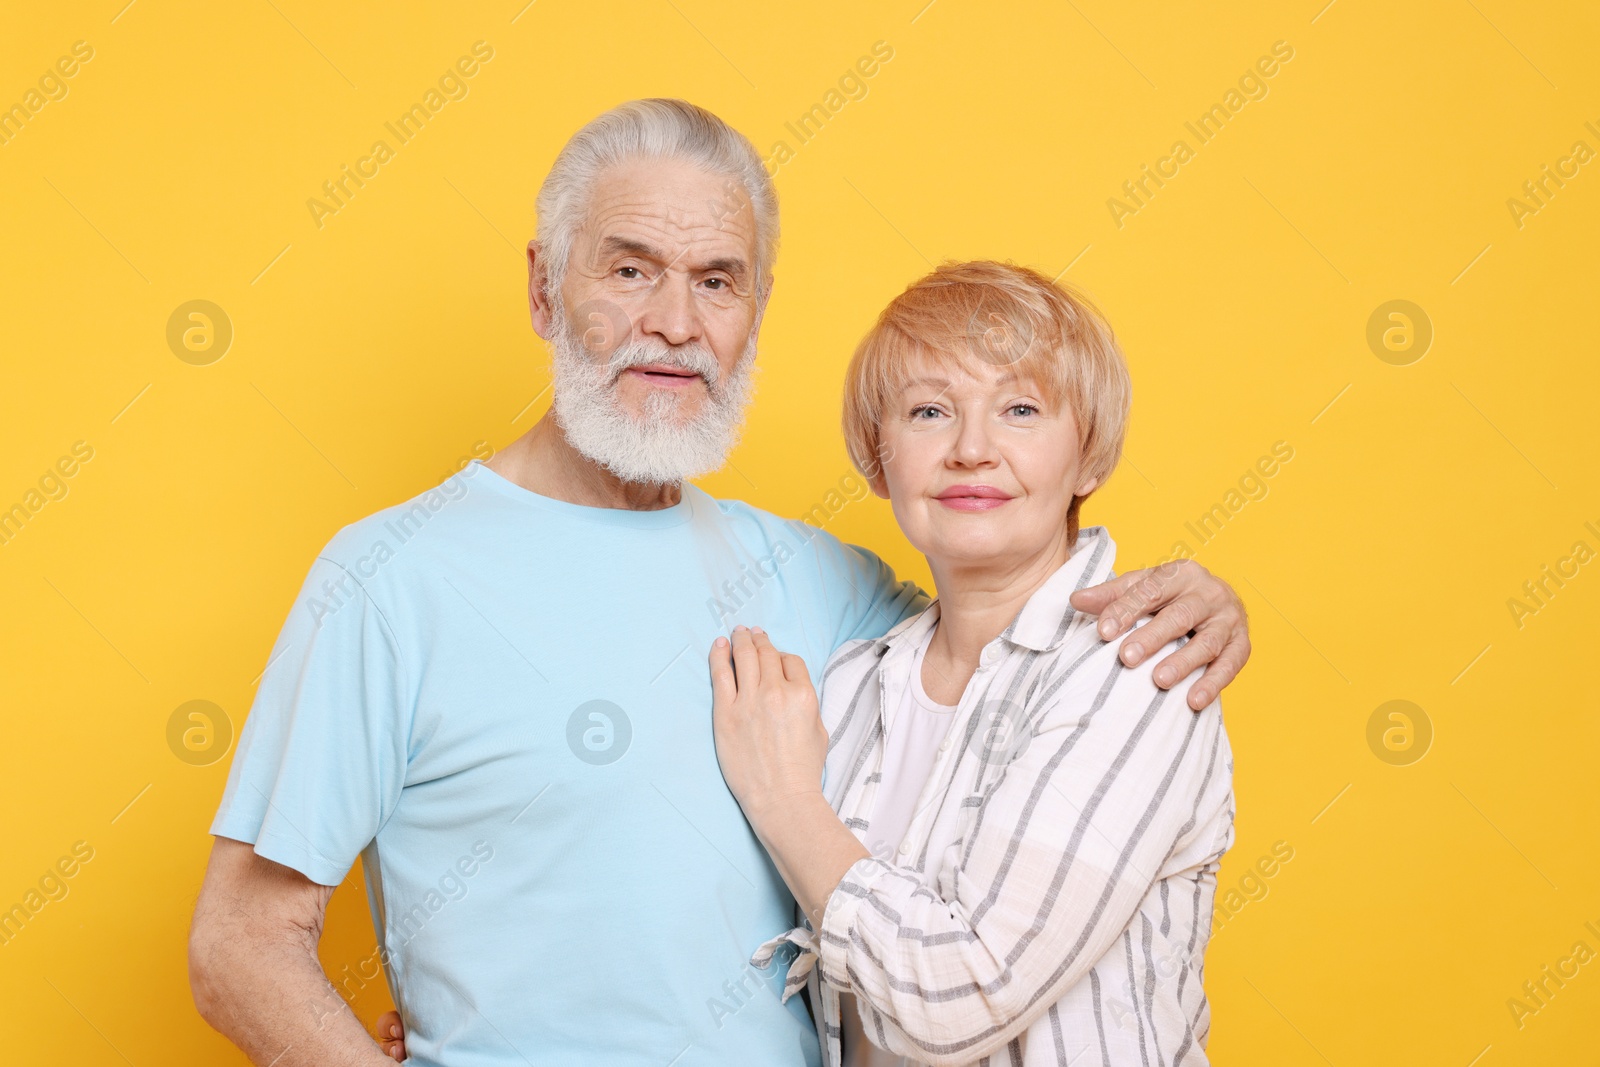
x,y
649,235
687,217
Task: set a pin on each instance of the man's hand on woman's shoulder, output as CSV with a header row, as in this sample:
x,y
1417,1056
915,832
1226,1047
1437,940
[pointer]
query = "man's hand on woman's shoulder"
x,y
1185,598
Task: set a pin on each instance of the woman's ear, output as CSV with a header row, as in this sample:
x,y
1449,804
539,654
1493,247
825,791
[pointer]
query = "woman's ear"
x,y
1086,488
875,480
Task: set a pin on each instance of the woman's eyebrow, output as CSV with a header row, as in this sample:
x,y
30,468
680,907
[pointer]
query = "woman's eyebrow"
x,y
942,384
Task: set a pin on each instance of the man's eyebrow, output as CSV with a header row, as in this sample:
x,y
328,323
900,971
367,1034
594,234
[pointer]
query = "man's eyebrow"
x,y
733,266
629,246
614,244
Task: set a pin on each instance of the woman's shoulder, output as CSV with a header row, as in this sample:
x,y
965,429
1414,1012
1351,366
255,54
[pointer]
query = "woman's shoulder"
x,y
1089,671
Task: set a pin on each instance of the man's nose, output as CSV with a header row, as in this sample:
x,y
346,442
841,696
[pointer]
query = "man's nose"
x,y
669,310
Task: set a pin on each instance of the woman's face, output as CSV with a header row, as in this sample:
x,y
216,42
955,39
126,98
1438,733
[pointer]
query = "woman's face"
x,y
979,465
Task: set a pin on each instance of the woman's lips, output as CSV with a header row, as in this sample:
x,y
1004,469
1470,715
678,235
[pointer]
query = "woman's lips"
x,y
973,498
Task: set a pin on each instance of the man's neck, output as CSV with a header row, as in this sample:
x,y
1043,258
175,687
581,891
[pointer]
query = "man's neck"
x,y
543,461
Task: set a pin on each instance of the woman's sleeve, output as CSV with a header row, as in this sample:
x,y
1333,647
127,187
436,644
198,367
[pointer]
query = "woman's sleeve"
x,y
1117,776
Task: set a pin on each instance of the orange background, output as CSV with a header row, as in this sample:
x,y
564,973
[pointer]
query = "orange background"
x,y
374,351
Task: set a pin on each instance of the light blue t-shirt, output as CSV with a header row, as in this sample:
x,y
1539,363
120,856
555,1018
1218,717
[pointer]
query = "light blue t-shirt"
x,y
501,702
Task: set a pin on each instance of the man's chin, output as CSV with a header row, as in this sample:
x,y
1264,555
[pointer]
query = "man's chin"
x,y
670,408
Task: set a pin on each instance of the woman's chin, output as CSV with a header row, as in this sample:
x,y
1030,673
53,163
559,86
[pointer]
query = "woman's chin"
x,y
990,542
975,550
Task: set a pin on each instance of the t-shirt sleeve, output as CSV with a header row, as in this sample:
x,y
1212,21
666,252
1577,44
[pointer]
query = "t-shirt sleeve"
x,y
865,598
322,756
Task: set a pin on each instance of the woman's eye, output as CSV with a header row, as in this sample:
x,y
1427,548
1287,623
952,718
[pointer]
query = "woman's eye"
x,y
1023,410
925,413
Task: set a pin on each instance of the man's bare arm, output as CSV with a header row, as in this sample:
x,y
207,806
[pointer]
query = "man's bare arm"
x,y
254,970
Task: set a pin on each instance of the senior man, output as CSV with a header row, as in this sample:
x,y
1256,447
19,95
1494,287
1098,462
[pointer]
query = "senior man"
x,y
495,694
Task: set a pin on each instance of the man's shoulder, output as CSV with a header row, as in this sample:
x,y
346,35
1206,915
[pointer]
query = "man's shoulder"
x,y
389,535
749,522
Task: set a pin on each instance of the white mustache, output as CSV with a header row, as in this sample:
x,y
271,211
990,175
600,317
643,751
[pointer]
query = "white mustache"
x,y
691,357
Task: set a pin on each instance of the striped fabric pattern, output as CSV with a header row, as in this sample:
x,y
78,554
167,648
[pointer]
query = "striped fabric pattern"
x,y
1055,901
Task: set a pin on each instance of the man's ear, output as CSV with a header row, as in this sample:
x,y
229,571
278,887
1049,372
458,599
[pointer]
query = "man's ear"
x,y
539,310
763,294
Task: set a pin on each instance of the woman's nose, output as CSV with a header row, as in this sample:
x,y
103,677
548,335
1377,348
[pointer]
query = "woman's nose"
x,y
974,446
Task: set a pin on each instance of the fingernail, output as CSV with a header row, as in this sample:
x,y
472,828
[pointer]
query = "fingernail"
x,y
1202,697
758,630
1130,652
740,627
721,642
1164,676
1108,626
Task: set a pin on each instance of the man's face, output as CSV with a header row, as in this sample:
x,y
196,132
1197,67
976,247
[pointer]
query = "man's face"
x,y
655,329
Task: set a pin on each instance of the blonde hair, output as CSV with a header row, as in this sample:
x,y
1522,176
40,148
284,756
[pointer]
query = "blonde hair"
x,y
1004,315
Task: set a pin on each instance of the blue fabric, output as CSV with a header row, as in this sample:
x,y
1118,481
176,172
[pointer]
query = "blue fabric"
x,y
501,702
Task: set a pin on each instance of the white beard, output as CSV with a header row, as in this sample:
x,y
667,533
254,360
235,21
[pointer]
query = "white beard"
x,y
659,448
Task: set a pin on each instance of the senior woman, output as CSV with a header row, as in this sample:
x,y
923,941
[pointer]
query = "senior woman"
x,y
1014,851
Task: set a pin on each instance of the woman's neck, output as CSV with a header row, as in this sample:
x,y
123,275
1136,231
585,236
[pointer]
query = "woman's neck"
x,y
975,605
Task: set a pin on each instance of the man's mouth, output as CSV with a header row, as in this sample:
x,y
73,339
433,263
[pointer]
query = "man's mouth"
x,y
664,375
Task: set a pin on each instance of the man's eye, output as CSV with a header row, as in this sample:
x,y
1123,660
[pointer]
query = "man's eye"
x,y
629,272
718,284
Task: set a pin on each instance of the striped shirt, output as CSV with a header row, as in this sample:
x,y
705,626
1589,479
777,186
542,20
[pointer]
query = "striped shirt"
x,y
1055,902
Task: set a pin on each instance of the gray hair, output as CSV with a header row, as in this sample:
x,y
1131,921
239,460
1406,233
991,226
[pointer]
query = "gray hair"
x,y
650,129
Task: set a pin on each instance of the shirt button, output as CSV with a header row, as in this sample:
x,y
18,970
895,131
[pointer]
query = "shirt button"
x,y
905,847
944,746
